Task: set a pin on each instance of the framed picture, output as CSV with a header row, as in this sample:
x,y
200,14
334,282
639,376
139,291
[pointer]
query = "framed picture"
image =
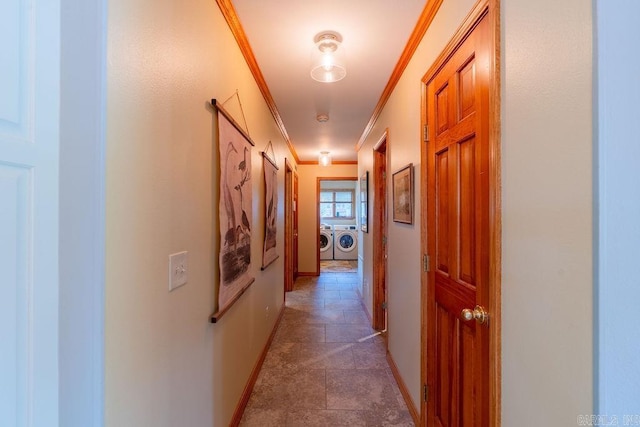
x,y
364,202
402,182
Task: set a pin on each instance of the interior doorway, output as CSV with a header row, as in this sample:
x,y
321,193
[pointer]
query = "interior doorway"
x,y
290,226
337,239
380,166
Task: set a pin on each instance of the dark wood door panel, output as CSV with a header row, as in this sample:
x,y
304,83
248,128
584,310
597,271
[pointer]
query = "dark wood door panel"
x,y
457,229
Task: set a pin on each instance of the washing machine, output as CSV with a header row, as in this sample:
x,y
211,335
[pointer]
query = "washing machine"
x,y
345,242
326,241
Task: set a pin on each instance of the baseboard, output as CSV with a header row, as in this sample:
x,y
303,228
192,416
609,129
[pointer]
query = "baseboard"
x,y
246,393
403,389
364,307
308,273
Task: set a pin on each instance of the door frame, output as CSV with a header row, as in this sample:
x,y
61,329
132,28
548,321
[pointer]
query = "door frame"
x,y
380,231
490,8
318,219
288,227
295,246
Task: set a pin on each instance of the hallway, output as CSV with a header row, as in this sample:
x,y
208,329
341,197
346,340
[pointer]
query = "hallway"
x,y
326,366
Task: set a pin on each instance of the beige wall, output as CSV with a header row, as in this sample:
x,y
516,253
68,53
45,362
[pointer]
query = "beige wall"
x,y
166,365
547,212
401,116
308,225
546,123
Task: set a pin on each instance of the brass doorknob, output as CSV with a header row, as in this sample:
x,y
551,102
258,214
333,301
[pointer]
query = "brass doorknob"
x,y
478,313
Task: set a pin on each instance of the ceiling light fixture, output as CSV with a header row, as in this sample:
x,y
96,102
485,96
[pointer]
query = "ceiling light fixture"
x,y
322,118
327,60
324,159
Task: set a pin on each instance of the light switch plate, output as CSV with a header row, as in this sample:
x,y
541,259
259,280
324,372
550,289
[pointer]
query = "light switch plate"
x,y
178,270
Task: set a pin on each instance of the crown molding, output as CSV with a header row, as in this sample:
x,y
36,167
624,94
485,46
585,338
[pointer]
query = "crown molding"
x,y
230,15
426,17
333,162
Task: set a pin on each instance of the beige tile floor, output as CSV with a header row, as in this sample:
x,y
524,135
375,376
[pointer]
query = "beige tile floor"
x,y
326,366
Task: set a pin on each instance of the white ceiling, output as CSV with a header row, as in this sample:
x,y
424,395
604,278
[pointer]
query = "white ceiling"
x,y
281,32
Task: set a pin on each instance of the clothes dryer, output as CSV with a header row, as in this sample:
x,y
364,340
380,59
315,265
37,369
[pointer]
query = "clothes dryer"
x,y
326,242
345,238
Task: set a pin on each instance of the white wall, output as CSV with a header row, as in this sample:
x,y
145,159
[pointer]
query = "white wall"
x,y
401,116
82,111
166,365
547,200
618,293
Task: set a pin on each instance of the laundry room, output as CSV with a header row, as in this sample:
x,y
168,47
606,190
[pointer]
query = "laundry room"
x,y
338,220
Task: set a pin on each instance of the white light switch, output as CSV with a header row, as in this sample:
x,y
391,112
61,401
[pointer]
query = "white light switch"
x,y
178,269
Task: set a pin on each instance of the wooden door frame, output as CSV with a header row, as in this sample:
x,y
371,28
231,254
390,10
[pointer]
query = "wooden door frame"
x,y
490,8
380,230
318,219
295,270
288,226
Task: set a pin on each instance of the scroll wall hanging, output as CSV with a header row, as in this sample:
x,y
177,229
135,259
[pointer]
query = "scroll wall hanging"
x,y
269,249
235,212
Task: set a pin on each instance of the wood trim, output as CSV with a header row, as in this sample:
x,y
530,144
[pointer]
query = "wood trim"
x,y
230,15
318,225
380,223
492,9
337,178
251,382
288,226
381,140
333,162
403,389
424,21
462,32
495,216
425,292
309,273
318,180
295,263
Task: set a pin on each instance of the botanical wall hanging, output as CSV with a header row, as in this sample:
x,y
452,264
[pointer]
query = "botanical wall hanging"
x,y
269,249
235,212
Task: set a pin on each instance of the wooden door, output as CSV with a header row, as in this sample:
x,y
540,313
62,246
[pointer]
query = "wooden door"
x,y
380,235
458,230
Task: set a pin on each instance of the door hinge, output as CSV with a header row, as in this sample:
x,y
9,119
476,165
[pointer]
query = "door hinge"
x,y
384,175
384,305
425,133
425,392
425,263
384,240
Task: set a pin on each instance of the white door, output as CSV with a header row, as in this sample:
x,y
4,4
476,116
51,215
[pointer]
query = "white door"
x,y
29,144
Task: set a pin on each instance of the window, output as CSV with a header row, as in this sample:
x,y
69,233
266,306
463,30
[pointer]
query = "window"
x,y
337,204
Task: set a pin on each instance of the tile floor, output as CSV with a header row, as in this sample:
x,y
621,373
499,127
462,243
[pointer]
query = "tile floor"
x,y
326,366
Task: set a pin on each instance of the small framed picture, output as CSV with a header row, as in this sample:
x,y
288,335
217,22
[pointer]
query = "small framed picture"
x,y
402,182
364,205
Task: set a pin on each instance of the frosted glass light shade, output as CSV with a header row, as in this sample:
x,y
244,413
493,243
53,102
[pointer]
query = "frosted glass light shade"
x,y
324,159
327,59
